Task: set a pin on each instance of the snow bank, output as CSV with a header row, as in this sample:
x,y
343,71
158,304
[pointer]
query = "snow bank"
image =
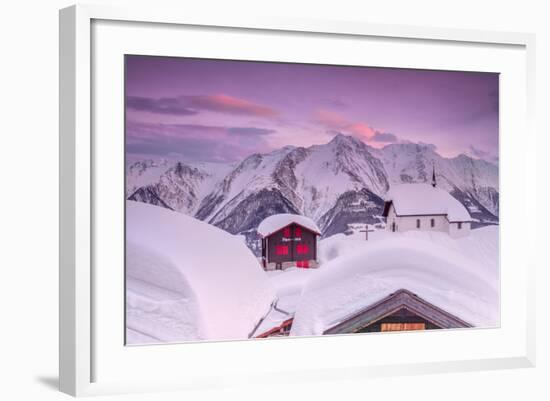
x,y
288,285
482,245
188,280
439,274
290,281
422,199
277,221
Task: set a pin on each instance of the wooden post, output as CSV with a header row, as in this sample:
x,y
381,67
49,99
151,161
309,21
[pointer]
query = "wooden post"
x,y
366,231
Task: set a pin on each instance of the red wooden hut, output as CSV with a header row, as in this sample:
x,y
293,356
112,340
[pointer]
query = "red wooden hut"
x,y
288,240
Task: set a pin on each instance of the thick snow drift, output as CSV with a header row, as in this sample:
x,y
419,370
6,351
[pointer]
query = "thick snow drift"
x,y
277,221
423,199
188,280
358,277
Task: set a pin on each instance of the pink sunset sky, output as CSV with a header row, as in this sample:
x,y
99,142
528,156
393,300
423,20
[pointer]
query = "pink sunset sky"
x,y
221,110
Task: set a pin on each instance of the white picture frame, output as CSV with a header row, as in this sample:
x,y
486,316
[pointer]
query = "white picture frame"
x,y
82,344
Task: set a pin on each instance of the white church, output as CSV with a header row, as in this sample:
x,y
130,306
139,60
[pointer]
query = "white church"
x,y
426,208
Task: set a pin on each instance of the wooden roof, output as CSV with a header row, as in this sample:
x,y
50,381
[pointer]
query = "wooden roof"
x,y
277,222
393,303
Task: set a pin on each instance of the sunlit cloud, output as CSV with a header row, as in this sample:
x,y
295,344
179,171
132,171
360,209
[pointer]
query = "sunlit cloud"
x,y
336,122
191,105
232,105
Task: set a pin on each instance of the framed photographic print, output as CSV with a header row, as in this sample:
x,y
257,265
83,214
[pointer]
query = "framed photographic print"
x,y
290,196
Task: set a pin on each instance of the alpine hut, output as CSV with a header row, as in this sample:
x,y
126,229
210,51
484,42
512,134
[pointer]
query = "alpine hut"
x,y
288,240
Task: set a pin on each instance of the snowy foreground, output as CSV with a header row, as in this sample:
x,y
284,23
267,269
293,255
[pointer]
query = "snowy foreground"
x,y
188,280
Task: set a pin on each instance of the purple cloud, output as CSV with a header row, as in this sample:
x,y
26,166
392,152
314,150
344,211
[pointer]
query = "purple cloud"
x,y
249,131
386,137
451,109
163,105
191,105
195,142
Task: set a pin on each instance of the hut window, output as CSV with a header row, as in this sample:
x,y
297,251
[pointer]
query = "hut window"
x,y
302,248
417,223
298,231
460,226
281,249
286,232
432,222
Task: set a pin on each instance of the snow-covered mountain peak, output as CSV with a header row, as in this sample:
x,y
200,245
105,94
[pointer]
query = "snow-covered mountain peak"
x,y
341,140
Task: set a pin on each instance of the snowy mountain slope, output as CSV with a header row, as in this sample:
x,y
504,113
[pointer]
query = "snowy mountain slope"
x,y
352,207
338,183
342,165
320,182
143,173
252,175
175,185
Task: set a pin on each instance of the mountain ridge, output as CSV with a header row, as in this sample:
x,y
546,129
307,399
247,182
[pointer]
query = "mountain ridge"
x,y
338,183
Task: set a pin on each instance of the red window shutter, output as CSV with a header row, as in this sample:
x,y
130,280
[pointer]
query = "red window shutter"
x,y
298,231
286,232
302,248
281,249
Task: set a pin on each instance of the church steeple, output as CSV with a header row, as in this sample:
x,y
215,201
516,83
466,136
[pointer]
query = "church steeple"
x,y
434,183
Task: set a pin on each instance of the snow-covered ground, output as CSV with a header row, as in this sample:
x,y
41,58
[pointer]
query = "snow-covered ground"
x,y
458,275
481,245
188,280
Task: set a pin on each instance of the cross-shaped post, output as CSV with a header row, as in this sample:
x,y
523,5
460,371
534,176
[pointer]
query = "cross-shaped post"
x,y
366,231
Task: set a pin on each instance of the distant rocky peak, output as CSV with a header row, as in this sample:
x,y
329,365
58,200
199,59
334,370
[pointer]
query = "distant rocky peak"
x,y
183,170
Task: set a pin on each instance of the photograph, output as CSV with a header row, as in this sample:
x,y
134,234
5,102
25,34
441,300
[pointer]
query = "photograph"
x,y
277,199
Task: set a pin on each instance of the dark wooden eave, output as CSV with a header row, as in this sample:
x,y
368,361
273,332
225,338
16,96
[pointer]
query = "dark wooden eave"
x,y
387,206
393,303
276,329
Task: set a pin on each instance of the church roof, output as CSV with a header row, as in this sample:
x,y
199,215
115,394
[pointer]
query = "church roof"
x,y
423,199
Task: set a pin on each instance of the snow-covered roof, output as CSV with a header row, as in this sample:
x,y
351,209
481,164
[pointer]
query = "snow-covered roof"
x,y
275,222
180,286
423,199
446,278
